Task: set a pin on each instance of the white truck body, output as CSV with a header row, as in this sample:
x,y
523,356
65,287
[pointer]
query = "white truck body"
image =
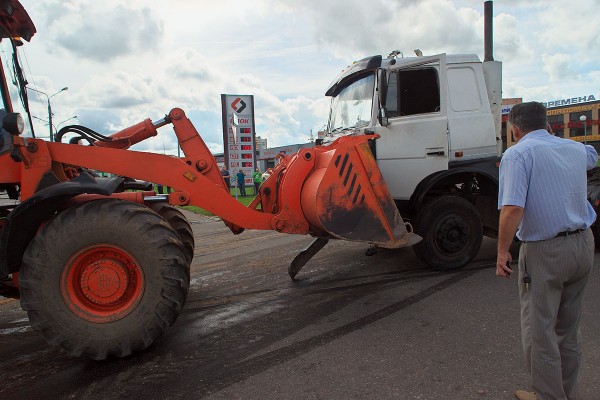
x,y
438,120
464,126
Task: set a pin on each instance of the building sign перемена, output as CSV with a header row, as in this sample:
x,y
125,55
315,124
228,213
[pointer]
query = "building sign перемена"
x,y
569,102
239,143
557,103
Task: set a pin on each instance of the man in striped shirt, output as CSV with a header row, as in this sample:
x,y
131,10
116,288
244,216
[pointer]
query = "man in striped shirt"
x,y
543,199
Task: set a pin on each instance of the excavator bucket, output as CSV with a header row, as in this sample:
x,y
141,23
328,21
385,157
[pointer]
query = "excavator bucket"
x,y
346,197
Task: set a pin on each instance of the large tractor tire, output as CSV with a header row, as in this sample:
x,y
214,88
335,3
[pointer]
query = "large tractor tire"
x,y
452,232
104,278
179,223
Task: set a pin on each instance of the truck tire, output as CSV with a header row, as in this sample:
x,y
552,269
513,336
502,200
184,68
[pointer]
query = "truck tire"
x,y
179,223
104,278
452,233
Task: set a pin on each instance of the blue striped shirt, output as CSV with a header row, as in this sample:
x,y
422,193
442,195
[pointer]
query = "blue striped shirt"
x,y
546,176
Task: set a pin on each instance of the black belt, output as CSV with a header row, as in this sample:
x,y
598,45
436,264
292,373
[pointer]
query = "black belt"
x,y
567,233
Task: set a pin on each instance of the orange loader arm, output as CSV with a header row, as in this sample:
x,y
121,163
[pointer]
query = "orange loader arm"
x,y
333,191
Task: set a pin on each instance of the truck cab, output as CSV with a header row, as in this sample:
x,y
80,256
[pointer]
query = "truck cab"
x,y
438,120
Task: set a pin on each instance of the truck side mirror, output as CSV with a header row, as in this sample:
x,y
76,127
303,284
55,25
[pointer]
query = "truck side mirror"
x,y
382,87
383,119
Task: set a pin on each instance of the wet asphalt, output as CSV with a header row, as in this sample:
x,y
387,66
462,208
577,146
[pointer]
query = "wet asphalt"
x,y
351,327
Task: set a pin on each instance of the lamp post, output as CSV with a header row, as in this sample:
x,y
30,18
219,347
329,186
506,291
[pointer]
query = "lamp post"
x,y
49,108
583,118
45,123
40,119
62,122
54,127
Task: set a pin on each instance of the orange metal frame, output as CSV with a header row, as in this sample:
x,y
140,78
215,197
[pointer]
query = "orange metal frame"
x,y
305,194
196,178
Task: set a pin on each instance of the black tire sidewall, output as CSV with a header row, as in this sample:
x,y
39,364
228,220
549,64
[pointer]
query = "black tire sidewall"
x,y
429,218
157,258
179,223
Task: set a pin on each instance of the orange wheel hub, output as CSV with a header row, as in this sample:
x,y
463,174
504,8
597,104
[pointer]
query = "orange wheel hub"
x,y
102,283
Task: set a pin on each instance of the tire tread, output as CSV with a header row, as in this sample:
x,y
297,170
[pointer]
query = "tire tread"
x,y
149,237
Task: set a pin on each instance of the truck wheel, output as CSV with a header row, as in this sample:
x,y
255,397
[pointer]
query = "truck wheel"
x,y
451,230
179,223
104,278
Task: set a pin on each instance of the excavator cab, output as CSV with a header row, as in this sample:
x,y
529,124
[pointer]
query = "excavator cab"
x,y
15,26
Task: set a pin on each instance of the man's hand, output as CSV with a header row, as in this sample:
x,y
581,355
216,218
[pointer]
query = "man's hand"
x,y
510,218
502,264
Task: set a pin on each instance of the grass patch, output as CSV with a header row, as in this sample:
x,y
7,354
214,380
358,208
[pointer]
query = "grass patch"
x,y
244,200
197,210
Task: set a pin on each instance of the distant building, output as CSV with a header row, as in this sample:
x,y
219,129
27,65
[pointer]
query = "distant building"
x,y
220,159
563,117
261,143
507,104
267,157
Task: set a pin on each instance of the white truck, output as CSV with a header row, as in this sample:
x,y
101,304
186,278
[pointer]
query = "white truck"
x,y
439,122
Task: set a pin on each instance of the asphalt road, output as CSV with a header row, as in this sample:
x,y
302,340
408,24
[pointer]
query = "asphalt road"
x,y
351,327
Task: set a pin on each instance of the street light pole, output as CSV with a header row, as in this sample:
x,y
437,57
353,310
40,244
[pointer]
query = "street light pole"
x,y
583,118
49,108
44,121
62,122
55,128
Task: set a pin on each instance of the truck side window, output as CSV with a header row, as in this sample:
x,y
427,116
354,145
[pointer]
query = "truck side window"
x,y
413,91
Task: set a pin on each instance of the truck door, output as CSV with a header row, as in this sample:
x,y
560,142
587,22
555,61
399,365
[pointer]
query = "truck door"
x,y
414,144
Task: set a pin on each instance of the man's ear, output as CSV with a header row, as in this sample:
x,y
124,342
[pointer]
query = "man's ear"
x,y
516,132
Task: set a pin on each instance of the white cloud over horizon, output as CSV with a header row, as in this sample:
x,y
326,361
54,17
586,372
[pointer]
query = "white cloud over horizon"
x,y
124,62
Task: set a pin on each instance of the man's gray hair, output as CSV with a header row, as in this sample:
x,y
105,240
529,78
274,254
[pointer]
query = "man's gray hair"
x,y
528,116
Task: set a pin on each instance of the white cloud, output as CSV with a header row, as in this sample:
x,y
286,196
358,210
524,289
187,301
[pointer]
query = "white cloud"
x,y
570,26
91,30
124,62
356,28
511,46
558,66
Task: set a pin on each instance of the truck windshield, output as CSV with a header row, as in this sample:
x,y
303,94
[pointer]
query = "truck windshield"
x,y
351,108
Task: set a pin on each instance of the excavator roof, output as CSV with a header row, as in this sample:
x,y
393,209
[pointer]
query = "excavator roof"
x,y
14,21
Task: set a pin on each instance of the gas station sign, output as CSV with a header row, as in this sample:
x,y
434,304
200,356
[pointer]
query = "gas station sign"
x,y
239,134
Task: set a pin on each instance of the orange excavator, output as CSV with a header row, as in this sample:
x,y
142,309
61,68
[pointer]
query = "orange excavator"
x,y
104,270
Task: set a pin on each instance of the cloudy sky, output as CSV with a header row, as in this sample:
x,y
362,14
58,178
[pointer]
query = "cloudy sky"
x,y
127,61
